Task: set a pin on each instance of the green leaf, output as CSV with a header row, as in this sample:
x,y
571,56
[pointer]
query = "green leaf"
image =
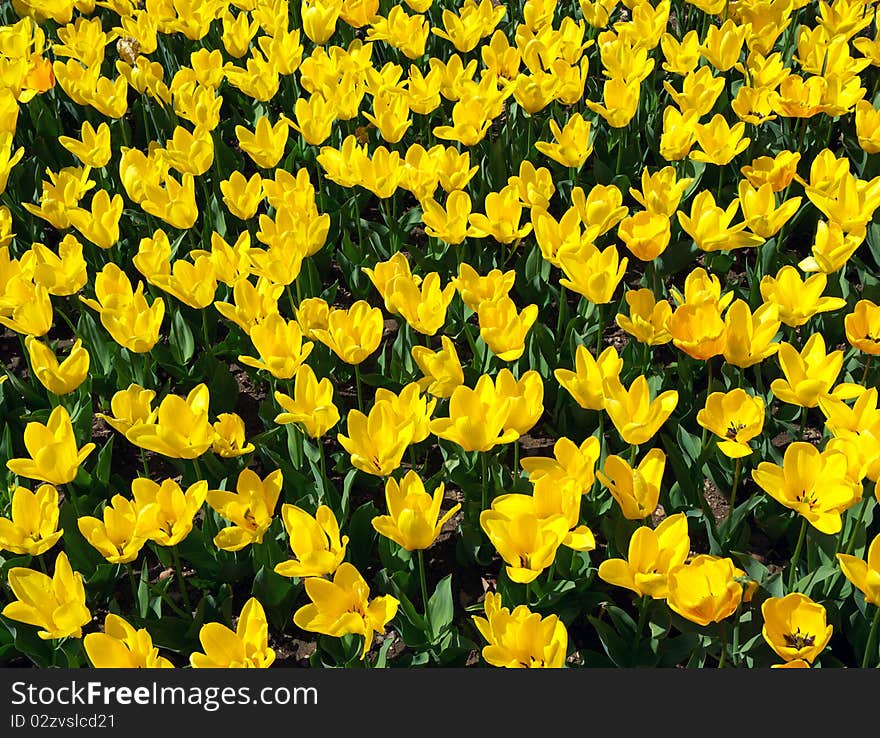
x,y
180,339
440,607
105,457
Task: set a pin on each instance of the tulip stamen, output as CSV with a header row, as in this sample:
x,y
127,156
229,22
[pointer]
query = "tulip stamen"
x,y
798,641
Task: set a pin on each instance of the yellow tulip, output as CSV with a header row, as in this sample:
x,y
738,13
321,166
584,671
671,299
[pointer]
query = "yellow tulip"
x,y
864,573
636,490
33,527
376,442
588,384
798,300
173,509
311,405
442,369
795,627
122,532
120,646
180,429
749,336
863,327
250,508
810,374
648,318
734,416
315,542
59,378
247,647
704,590
635,415
352,334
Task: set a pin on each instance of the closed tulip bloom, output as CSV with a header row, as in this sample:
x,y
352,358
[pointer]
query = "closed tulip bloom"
x,y
56,604
122,532
442,369
525,540
411,407
99,224
588,383
55,457
734,416
173,509
252,304
352,334
242,196
570,462
280,346
635,415
652,554
698,330
749,336
795,627
798,300
247,647
521,639
710,226
477,417
760,212
229,436
315,116
812,483
130,407
503,328
553,497
376,442
832,248
699,287
636,490
645,234
33,527
413,519
621,98
811,374
864,573
601,208
385,273
863,327
678,136
648,317
250,508
571,144
527,398
317,547
704,590
343,606
723,44
121,646
312,403
868,126
181,429
449,223
63,273
779,171
59,379
593,273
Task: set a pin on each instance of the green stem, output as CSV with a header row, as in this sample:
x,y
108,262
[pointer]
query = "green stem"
x,y
144,462
360,391
324,480
736,472
599,332
515,471
643,614
134,596
796,555
723,658
424,582
867,368
184,592
561,307
197,470
851,543
871,647
484,463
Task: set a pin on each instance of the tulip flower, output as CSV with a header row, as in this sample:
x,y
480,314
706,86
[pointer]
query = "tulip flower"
x,y
242,196
33,527
173,509
250,508
698,330
812,483
442,369
315,542
864,573
93,147
63,273
778,171
376,442
247,647
648,317
570,462
653,553
385,273
447,222
265,145
130,407
677,136
123,531
343,606
59,378
413,519
760,213
422,305
863,327
503,328
571,146
280,346
410,406
352,334
474,289
181,429
635,415
794,627
810,374
521,639
588,383
593,273
502,217
534,186
99,224
734,416
705,589
526,541
709,225
120,646
645,234
552,497
55,457
748,338
798,300
832,248
636,490
56,604
229,436
252,304
477,417
311,405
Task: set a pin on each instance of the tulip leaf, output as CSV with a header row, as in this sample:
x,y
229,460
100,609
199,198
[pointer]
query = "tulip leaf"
x,y
617,649
105,457
440,607
180,339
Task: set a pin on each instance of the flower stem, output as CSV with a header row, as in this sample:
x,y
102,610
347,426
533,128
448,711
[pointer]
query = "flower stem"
x,y
871,647
797,553
484,463
736,472
184,593
424,582
134,596
360,391
723,658
868,362
850,544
